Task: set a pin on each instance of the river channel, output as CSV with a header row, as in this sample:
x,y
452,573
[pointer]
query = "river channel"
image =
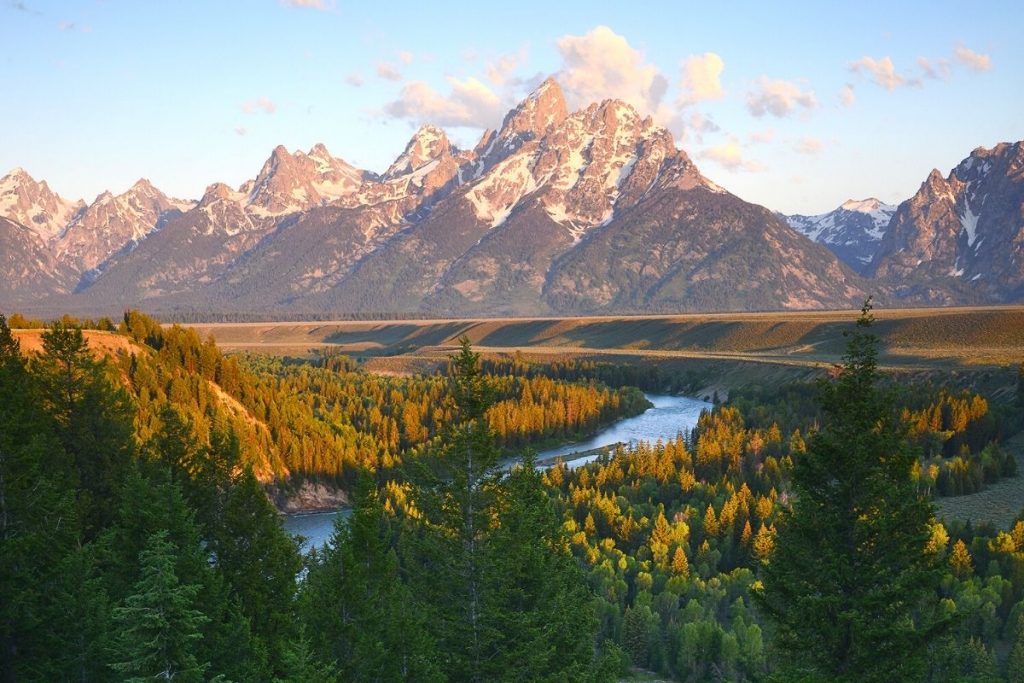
x,y
669,416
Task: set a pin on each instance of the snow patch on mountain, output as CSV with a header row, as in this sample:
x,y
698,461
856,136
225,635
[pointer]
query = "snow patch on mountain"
x,y
970,225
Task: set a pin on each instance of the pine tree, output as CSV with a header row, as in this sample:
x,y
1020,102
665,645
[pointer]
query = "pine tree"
x,y
260,563
1015,662
456,496
850,585
537,598
38,524
93,416
369,628
159,623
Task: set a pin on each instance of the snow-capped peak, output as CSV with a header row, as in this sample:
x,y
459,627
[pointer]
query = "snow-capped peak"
x,y
852,231
34,205
864,205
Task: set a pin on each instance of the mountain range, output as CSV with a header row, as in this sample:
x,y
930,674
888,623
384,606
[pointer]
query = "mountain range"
x,y
555,212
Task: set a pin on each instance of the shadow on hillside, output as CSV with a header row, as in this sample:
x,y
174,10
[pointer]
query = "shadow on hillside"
x,y
398,339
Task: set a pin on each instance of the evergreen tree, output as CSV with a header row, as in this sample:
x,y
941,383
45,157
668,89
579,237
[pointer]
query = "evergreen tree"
x,y
159,623
850,585
456,499
260,563
93,417
302,666
38,525
537,598
368,627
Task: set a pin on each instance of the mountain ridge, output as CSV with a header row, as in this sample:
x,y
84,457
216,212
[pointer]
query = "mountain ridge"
x,y
585,212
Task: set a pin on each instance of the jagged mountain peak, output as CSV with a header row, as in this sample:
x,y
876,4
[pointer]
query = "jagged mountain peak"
x,y
33,204
216,192
290,182
538,114
17,173
428,143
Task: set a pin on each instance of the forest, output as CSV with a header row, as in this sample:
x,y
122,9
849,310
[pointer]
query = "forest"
x,y
137,540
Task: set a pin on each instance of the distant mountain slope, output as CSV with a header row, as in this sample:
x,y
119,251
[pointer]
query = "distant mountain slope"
x,y
852,231
960,239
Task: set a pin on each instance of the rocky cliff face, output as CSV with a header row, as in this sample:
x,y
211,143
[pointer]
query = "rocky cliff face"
x,y
960,238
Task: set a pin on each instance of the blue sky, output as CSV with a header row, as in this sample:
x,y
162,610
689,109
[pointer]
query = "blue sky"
x,y
797,106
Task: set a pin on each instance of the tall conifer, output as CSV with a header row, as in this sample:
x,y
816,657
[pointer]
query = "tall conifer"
x,y
850,585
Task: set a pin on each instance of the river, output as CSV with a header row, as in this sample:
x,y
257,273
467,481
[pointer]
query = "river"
x,y
669,416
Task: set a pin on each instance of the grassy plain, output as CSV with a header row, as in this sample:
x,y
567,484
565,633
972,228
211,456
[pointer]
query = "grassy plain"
x,y
726,349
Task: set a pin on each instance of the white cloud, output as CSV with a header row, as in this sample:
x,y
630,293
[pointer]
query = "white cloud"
x,y
808,145
241,130
847,95
470,103
975,61
264,104
779,98
321,5
405,57
730,155
388,72
603,65
354,80
701,78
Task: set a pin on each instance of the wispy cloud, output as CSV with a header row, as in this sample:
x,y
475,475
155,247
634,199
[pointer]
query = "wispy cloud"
x,y
241,130
405,57
975,61
808,145
74,26
501,71
388,72
938,69
264,104
20,6
847,95
760,137
779,98
882,72
355,80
